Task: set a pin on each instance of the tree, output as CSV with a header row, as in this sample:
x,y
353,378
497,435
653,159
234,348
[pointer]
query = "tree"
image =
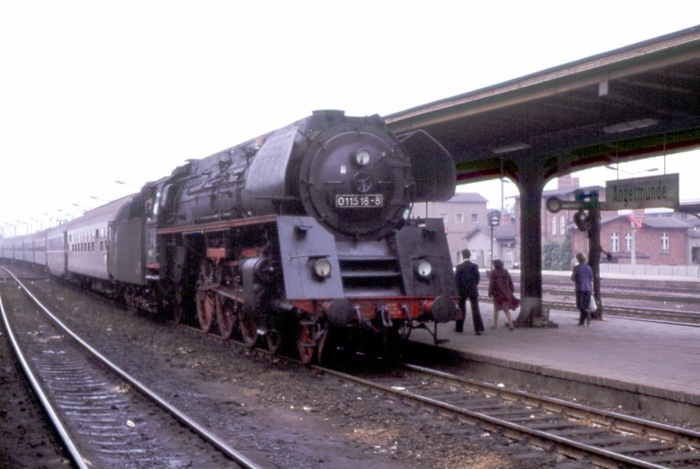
x,y
550,255
556,256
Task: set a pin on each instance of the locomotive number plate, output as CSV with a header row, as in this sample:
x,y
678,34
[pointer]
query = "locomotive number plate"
x,y
359,201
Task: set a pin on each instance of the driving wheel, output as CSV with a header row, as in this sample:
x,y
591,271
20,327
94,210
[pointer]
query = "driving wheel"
x,y
205,309
249,330
274,340
306,345
226,316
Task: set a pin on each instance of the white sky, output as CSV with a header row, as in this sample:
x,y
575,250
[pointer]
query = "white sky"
x,y
95,91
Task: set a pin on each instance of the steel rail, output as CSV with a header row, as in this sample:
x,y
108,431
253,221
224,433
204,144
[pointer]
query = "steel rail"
x,y
569,447
630,295
679,318
179,415
602,416
75,454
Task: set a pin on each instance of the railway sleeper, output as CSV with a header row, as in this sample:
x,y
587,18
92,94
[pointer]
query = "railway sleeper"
x,y
639,447
674,457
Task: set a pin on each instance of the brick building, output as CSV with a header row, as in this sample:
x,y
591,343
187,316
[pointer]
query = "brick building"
x,y
658,239
641,238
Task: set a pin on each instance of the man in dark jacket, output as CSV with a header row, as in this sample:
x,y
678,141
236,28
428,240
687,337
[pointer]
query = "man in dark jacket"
x,y
582,276
467,279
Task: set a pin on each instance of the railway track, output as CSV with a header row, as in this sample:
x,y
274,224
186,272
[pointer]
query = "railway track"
x,y
105,417
568,429
638,305
584,433
632,295
638,313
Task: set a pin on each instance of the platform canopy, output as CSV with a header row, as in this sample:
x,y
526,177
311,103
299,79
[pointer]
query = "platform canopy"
x,y
637,101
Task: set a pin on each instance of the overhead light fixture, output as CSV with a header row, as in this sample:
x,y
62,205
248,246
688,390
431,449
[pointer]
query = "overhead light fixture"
x,y
511,148
631,125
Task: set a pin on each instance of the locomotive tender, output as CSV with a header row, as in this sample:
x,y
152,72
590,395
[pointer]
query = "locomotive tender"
x,y
298,235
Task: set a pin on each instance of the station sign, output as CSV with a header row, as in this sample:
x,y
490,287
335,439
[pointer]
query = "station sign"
x,y
646,192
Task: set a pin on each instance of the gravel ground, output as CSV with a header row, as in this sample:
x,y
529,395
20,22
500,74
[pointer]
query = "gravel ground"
x,y
278,417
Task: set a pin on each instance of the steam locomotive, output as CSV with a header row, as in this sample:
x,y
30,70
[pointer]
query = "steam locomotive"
x,y
303,236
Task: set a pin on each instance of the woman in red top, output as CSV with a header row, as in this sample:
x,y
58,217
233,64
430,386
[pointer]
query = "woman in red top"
x,y
501,290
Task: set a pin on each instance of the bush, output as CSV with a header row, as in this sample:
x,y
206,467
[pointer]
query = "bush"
x,y
556,256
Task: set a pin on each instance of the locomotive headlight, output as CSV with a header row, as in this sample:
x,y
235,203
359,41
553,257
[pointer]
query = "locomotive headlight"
x,y
423,268
361,157
321,267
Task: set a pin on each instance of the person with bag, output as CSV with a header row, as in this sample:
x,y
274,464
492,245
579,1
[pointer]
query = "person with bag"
x,y
501,290
467,279
582,276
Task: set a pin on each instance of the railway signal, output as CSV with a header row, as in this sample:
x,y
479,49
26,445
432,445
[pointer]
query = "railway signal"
x,y
586,218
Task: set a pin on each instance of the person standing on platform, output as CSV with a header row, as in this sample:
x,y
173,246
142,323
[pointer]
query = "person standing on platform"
x,y
467,279
501,290
582,276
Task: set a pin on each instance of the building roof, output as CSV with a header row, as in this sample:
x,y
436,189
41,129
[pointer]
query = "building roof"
x,y
472,232
651,220
504,232
501,233
665,222
467,197
606,218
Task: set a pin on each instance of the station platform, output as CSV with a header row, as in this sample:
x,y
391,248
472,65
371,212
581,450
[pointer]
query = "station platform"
x,y
648,365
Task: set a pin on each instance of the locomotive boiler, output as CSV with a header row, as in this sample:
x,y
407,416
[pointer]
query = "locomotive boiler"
x,y
307,230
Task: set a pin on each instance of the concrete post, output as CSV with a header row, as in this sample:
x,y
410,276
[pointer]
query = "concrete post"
x,y
531,185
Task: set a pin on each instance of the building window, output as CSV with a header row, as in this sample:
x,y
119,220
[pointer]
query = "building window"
x,y
615,243
444,218
459,218
475,218
554,225
562,224
665,242
628,242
